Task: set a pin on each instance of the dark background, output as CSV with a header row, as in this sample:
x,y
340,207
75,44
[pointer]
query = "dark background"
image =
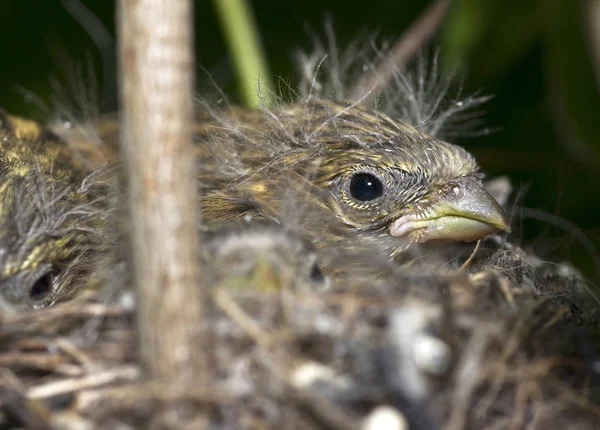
x,y
536,57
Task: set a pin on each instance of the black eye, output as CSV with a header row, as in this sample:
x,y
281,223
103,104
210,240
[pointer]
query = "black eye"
x,y
365,187
42,287
315,273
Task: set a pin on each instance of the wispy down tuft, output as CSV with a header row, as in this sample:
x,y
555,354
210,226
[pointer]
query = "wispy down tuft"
x,y
420,94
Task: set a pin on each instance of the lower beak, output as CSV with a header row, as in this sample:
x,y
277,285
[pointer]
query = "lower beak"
x,y
464,212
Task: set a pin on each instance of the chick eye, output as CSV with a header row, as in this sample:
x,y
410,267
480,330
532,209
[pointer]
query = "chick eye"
x,y
42,287
365,187
316,274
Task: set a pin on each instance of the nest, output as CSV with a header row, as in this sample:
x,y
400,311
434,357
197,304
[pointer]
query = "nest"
x,y
502,340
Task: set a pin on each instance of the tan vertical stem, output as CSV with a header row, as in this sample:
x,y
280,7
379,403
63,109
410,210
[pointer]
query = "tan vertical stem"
x,y
156,60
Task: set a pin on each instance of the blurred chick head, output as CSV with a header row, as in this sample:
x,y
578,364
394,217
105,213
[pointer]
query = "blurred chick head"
x,y
47,224
261,257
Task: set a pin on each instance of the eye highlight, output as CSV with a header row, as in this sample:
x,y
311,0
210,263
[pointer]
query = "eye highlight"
x,y
365,187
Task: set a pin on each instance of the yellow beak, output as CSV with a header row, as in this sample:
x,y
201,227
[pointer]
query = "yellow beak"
x,y
464,211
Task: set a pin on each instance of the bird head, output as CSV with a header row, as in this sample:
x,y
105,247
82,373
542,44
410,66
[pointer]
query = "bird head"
x,y
385,174
374,173
46,222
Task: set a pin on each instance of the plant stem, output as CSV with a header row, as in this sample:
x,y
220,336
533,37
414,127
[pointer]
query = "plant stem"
x,y
248,58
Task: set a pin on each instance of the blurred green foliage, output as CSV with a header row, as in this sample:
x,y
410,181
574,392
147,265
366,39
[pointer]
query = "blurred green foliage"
x,y
533,55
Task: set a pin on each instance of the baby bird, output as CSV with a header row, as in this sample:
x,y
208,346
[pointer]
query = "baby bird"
x,y
260,257
360,170
338,171
340,167
373,165
50,222
240,257
376,175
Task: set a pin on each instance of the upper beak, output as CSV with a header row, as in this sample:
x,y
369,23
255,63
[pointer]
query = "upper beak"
x,y
464,212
